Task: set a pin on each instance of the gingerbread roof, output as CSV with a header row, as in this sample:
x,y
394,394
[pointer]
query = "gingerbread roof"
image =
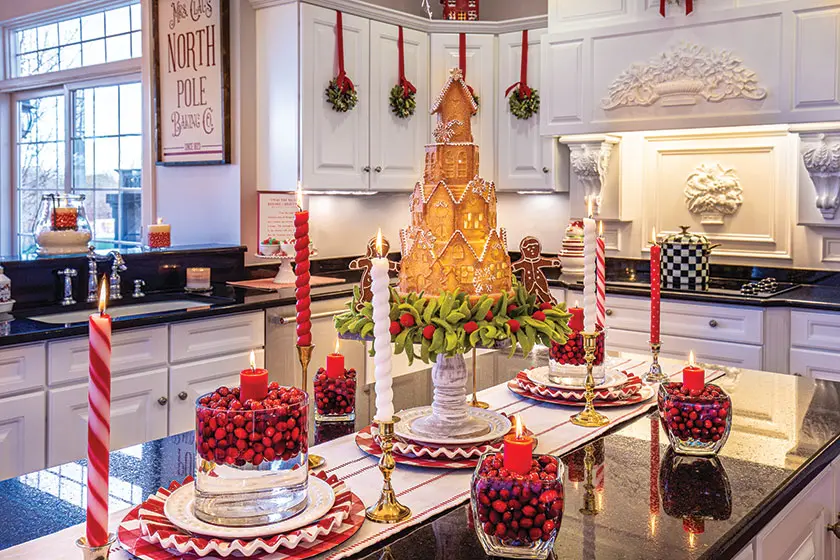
x,y
484,189
459,237
455,77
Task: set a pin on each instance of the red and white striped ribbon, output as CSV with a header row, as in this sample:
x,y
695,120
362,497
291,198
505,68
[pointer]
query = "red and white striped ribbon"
x,y
600,283
99,429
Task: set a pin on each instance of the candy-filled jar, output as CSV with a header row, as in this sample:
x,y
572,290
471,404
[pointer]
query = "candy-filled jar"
x,y
517,516
335,396
694,489
696,415
251,457
61,226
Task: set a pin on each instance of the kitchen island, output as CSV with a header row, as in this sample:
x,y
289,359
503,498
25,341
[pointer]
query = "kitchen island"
x,y
777,464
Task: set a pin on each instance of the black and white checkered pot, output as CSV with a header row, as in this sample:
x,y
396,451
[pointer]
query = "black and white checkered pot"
x,y
685,261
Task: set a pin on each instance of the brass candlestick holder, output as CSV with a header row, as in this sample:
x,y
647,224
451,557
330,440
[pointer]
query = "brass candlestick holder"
x,y
589,417
655,375
590,502
387,509
475,403
96,552
305,356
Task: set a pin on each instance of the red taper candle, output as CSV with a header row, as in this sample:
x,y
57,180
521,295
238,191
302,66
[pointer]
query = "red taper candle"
x,y
335,363
253,382
518,449
600,278
655,289
303,301
99,422
694,377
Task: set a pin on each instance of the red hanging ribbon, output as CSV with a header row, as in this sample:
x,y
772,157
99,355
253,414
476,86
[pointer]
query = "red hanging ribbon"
x,y
344,83
408,87
689,7
524,90
462,59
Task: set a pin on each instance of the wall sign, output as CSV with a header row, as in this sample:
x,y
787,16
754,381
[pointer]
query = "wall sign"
x,y
192,81
276,215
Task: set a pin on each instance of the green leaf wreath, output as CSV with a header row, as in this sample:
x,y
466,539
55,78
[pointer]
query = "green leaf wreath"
x,y
450,324
524,107
401,105
341,101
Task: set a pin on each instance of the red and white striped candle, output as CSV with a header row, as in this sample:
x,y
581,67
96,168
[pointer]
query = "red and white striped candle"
x,y
303,301
655,289
600,278
99,423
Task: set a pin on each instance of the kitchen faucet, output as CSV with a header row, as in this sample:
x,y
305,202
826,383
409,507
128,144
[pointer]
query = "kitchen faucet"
x,y
117,267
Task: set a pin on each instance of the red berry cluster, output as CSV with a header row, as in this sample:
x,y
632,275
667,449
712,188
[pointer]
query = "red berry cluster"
x,y
518,509
236,433
698,415
572,353
335,396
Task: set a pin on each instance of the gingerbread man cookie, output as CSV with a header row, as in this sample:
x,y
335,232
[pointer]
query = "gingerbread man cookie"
x,y
365,264
530,265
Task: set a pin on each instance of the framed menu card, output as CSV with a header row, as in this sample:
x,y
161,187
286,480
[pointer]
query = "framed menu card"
x,y
276,215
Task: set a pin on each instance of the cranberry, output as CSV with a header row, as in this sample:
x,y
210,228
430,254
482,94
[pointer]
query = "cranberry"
x,y
572,352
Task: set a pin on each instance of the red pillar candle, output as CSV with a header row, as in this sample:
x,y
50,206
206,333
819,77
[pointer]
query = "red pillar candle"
x,y
655,290
576,321
694,377
253,382
518,449
303,301
99,423
335,363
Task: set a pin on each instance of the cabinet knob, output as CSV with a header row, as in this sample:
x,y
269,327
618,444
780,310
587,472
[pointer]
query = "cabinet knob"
x,y
713,324
366,168
183,395
378,169
546,170
609,312
162,401
835,527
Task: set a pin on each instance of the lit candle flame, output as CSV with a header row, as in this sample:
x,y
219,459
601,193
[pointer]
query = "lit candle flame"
x,y
103,295
299,197
160,221
600,229
520,429
577,303
253,360
337,346
691,358
653,235
379,244
589,206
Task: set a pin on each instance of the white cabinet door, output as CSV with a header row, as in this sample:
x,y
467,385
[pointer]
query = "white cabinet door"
x,y
396,144
22,434
22,367
815,329
481,75
817,364
335,146
187,382
136,415
525,158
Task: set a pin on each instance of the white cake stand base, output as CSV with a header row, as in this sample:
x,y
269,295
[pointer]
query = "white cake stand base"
x,y
285,274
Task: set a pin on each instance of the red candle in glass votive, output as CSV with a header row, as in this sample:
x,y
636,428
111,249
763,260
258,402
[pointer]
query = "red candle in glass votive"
x,y
518,449
576,321
253,382
335,363
694,377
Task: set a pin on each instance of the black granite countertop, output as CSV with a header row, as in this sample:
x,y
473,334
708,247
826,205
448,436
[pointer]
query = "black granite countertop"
x,y
785,431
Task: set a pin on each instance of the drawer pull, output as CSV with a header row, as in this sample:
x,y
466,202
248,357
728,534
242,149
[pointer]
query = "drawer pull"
x,y
546,170
835,527
609,312
183,395
162,401
713,324
292,319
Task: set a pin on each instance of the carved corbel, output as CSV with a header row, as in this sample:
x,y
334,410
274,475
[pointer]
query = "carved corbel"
x,y
589,158
821,155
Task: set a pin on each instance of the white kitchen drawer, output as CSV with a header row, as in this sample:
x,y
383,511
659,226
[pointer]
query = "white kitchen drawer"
x,y
817,364
220,335
731,323
22,434
189,381
708,351
131,350
815,329
136,415
22,367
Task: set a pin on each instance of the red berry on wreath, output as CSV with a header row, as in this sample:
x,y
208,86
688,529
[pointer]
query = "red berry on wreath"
x,y
514,326
396,328
470,327
489,316
546,305
511,308
429,332
538,316
407,320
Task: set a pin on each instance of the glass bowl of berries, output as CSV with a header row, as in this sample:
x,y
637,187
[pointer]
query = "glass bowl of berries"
x,y
335,396
696,419
517,516
567,362
251,457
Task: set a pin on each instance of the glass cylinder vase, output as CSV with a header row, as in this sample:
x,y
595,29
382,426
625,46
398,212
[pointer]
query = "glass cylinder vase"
x,y
61,225
567,362
335,397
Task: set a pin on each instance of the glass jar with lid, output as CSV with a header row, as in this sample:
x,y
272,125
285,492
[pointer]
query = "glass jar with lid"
x,y
61,225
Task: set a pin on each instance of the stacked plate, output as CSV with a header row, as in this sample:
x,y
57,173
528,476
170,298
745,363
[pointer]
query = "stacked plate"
x,y
619,388
164,526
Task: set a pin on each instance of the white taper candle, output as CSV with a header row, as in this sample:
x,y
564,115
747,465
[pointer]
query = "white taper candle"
x,y
382,340
590,240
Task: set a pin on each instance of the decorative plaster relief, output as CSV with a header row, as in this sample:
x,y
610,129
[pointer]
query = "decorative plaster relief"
x,y
821,155
590,160
713,192
681,75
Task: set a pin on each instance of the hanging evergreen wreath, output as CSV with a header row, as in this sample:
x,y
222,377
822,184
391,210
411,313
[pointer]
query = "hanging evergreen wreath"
x,y
475,97
403,105
524,107
341,101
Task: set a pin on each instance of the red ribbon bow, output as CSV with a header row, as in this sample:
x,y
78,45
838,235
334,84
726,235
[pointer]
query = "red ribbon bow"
x,y
344,83
408,87
689,7
524,90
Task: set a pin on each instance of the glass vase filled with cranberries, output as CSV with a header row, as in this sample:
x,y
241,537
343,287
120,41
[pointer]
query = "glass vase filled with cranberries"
x,y
335,396
696,415
567,362
517,516
251,457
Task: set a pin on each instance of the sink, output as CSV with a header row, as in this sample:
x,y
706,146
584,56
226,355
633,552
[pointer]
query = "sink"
x,y
135,309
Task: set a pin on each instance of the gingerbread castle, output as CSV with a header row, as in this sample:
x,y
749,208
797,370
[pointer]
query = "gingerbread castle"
x,y
452,243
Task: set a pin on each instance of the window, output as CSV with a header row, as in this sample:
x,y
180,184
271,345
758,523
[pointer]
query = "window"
x,y
82,41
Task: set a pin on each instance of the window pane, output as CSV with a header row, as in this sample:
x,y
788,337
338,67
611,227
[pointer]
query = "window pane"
x,y
28,202
70,56
131,156
48,36
28,166
107,161
136,44
118,48
131,119
26,243
27,40
118,21
69,31
93,52
136,17
47,124
82,164
93,26
106,106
